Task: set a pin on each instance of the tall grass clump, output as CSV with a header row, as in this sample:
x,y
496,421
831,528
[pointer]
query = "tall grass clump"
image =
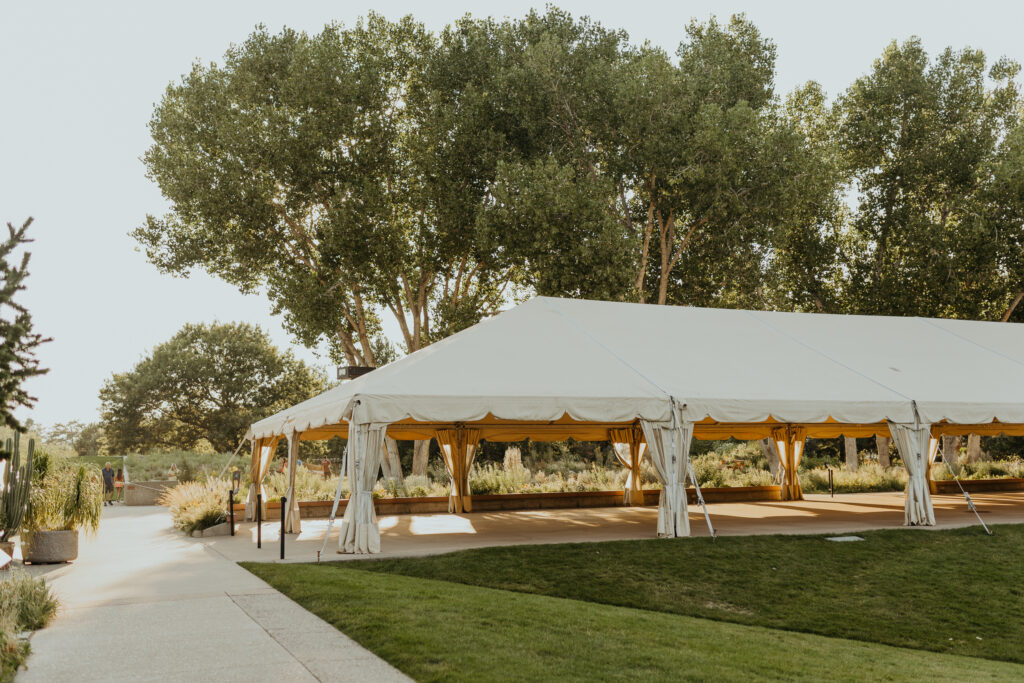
x,y
868,477
986,469
309,485
26,603
195,506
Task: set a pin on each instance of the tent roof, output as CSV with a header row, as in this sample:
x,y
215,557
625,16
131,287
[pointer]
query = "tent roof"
x,y
615,362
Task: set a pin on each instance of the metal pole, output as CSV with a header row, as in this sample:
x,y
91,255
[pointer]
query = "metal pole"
x,y
284,508
231,510
831,488
259,520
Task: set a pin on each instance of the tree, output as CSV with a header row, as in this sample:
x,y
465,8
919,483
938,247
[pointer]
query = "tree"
x,y
689,173
18,343
207,382
342,172
936,151
91,440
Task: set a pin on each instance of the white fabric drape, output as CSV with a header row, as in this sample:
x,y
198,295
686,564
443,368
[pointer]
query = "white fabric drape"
x,y
359,531
263,451
292,521
458,450
789,443
627,444
668,447
917,450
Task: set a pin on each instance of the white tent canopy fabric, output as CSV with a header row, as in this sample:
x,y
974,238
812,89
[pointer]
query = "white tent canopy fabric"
x,y
616,362
609,362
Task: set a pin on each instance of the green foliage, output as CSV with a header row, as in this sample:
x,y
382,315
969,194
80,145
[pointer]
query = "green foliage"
x,y
18,343
208,383
1012,467
66,495
14,496
868,477
195,506
26,603
936,151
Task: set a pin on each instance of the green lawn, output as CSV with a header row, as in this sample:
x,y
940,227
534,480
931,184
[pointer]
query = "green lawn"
x,y
956,591
436,630
661,609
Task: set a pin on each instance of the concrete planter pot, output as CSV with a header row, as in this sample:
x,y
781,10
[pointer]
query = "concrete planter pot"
x,y
49,547
7,547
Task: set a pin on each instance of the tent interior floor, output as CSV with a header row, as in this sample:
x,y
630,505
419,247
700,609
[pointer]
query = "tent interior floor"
x,y
411,535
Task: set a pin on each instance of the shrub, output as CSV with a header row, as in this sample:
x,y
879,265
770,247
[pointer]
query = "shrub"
x,y
1012,467
309,485
195,506
26,603
868,477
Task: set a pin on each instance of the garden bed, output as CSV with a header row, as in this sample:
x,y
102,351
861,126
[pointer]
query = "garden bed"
x,y
321,509
977,485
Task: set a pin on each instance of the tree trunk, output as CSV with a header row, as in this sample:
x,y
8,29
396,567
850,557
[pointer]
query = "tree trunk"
x,y
974,453
420,454
772,454
391,465
951,452
850,445
882,443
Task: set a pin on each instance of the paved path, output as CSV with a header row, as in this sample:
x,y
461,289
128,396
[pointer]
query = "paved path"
x,y
427,534
144,603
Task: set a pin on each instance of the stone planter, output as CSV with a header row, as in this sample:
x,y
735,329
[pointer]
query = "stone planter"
x,y
48,547
146,492
7,547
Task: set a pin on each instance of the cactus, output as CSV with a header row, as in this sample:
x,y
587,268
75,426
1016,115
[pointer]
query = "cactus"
x,y
16,485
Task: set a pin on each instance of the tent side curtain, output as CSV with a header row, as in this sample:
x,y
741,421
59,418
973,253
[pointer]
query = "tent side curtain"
x,y
918,449
668,447
789,441
359,531
262,454
458,450
292,522
629,446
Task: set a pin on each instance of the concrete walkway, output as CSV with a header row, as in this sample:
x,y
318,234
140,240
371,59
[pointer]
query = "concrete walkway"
x,y
428,534
144,603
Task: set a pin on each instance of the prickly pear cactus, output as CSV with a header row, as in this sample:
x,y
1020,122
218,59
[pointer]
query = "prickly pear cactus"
x,y
17,482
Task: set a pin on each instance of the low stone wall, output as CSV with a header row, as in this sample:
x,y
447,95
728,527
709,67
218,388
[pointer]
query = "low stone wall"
x,y
146,492
519,501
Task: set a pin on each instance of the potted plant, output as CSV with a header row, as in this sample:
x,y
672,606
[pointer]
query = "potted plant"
x,y
65,497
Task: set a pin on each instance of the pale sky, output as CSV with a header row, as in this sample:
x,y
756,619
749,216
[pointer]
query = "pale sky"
x,y
78,82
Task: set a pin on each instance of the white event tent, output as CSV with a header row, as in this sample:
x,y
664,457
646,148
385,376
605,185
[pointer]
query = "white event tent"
x,y
649,379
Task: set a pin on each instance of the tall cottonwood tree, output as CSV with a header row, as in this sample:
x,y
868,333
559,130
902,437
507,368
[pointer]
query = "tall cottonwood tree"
x,y
689,172
935,150
309,166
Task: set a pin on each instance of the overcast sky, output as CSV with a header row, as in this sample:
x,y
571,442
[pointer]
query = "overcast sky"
x,y
78,82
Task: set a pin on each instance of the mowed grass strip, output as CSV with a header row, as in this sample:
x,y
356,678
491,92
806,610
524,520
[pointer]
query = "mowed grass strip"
x,y
956,591
436,630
